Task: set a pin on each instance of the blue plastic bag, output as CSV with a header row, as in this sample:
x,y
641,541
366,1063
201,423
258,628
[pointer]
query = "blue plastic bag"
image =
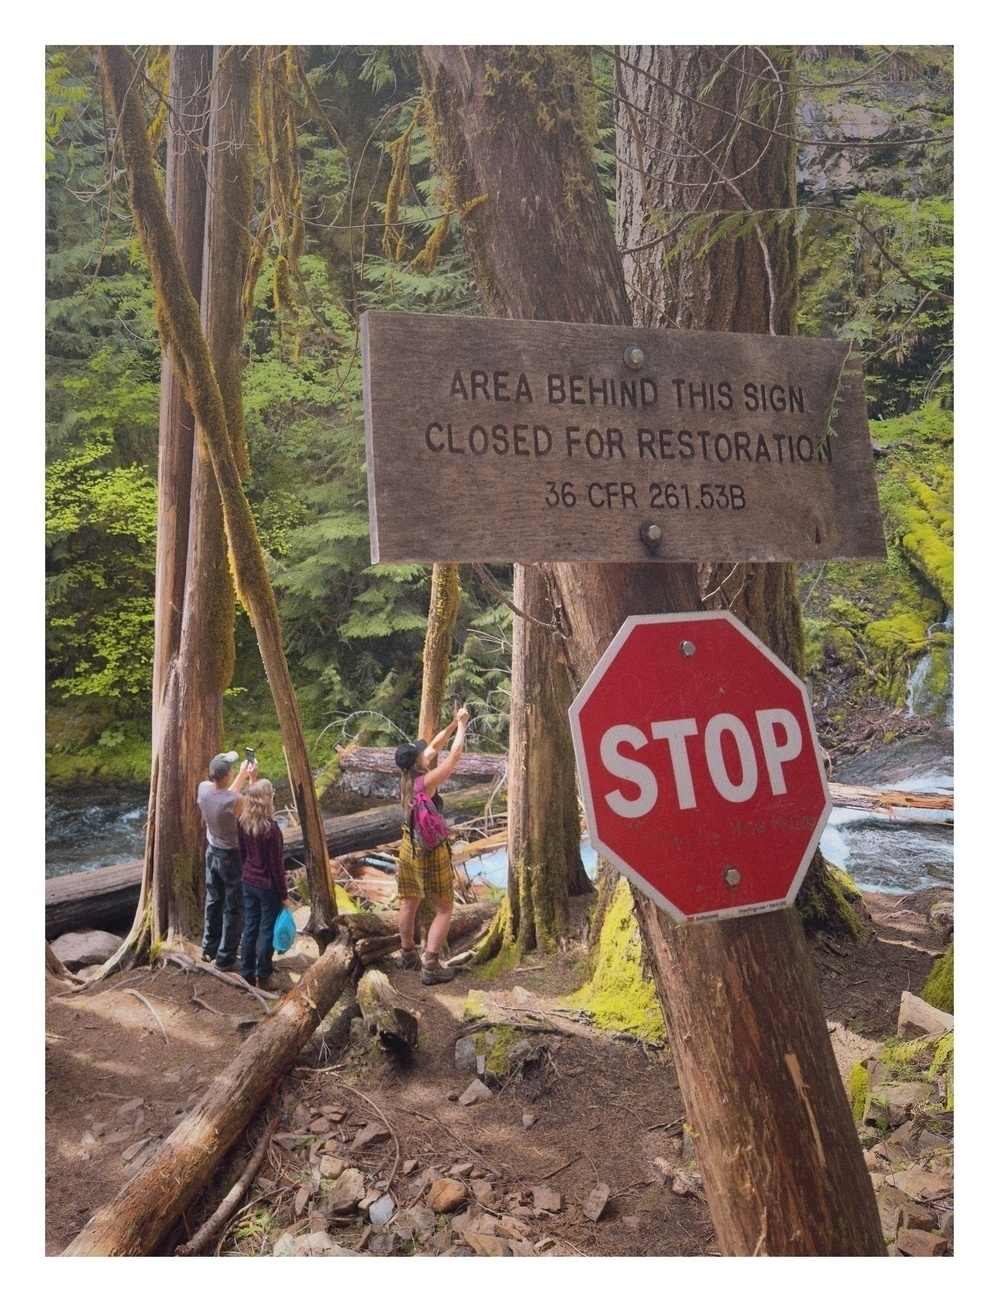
x,y
284,931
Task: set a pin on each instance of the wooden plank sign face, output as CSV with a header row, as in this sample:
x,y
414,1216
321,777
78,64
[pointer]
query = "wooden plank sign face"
x,y
494,440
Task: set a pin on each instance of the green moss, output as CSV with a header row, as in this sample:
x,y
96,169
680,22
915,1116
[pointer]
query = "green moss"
x,y
907,1059
619,995
826,905
939,988
857,1088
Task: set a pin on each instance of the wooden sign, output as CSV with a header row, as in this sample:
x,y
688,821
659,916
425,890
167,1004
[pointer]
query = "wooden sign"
x,y
494,440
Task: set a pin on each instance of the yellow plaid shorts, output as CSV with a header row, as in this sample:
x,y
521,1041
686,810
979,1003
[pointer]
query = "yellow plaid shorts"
x,y
424,872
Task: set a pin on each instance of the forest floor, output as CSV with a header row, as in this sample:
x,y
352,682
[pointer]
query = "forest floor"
x,y
127,1057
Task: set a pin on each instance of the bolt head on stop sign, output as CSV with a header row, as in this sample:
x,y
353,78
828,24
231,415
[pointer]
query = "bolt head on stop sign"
x,y
701,773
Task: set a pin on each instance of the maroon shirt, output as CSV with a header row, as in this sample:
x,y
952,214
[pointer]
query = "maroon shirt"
x,y
263,858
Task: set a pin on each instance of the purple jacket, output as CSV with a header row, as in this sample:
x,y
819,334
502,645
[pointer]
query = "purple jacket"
x,y
263,858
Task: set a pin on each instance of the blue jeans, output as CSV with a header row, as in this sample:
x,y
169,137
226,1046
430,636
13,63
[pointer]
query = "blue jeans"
x,y
261,904
223,905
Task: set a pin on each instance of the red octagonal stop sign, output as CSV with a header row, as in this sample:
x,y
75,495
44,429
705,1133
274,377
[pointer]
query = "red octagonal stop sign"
x,y
700,768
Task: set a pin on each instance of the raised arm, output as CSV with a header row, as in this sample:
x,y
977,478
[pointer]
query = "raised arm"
x,y
449,763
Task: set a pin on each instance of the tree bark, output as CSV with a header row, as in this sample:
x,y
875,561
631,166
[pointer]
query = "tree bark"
x,y
188,679
708,129
445,600
139,1220
178,318
509,125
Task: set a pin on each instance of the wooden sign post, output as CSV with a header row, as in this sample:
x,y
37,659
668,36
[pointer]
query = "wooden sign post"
x,y
548,441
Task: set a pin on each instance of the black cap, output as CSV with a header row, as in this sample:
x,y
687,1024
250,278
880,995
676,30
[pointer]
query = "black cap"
x,y
405,755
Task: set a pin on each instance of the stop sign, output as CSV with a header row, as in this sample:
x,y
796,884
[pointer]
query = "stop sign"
x,y
700,769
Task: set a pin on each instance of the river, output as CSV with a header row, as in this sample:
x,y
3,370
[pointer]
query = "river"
x,y
94,825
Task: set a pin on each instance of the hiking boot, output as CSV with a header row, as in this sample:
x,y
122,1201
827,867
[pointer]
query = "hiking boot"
x,y
206,957
225,967
434,975
250,980
408,959
265,983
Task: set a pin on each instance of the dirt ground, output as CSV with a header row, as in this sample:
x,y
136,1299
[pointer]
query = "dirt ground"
x,y
127,1058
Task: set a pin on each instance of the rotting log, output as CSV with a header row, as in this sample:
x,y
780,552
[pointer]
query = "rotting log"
x,y
138,1221
107,897
386,1012
377,934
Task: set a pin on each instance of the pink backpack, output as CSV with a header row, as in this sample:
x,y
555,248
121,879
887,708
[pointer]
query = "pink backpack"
x,y
429,828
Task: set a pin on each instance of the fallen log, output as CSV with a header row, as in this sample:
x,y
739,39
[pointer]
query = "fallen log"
x,y
139,1220
106,898
381,759
881,801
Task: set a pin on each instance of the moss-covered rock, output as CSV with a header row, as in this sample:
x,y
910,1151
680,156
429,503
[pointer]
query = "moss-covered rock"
x,y
939,988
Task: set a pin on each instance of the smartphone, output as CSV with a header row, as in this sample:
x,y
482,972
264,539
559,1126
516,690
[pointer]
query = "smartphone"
x,y
251,755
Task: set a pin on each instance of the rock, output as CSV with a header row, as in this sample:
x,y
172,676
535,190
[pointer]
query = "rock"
x,y
285,1246
446,1195
477,1092
546,1199
916,1017
331,1168
345,1192
528,1120
321,1126
384,1243
77,949
482,1191
917,1217
316,1244
595,1203
895,1102
508,1227
373,1133
927,1186
487,1245
302,1196
380,1212
409,1166
920,1243
942,917
418,1221
464,1054
460,1169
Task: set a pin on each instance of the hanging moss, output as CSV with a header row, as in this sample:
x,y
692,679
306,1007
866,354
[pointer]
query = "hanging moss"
x,y
939,988
620,996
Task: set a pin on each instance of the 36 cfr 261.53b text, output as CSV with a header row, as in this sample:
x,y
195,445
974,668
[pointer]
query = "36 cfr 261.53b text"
x,y
671,497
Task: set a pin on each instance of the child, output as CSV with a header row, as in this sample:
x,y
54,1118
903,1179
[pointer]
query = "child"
x,y
265,889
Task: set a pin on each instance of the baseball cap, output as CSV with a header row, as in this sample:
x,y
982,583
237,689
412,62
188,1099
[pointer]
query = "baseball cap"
x,y
221,764
405,755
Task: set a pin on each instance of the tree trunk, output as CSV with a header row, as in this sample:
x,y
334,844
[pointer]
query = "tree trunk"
x,y
445,600
545,865
188,680
709,129
543,853
178,316
509,125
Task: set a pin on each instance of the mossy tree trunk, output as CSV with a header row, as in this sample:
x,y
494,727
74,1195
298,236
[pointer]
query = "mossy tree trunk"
x,y
445,602
709,129
211,397
750,1041
194,602
545,865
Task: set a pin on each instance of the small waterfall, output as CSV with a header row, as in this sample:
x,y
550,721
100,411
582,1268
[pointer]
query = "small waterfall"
x,y
931,686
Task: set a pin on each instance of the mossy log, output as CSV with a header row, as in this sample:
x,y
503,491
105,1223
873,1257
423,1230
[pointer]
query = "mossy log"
x,y
138,1221
377,934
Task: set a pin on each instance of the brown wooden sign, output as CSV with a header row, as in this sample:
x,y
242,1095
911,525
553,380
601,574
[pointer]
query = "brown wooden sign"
x,y
494,440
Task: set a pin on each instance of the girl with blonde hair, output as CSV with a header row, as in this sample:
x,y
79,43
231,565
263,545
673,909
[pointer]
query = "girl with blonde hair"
x,y
426,872
265,888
